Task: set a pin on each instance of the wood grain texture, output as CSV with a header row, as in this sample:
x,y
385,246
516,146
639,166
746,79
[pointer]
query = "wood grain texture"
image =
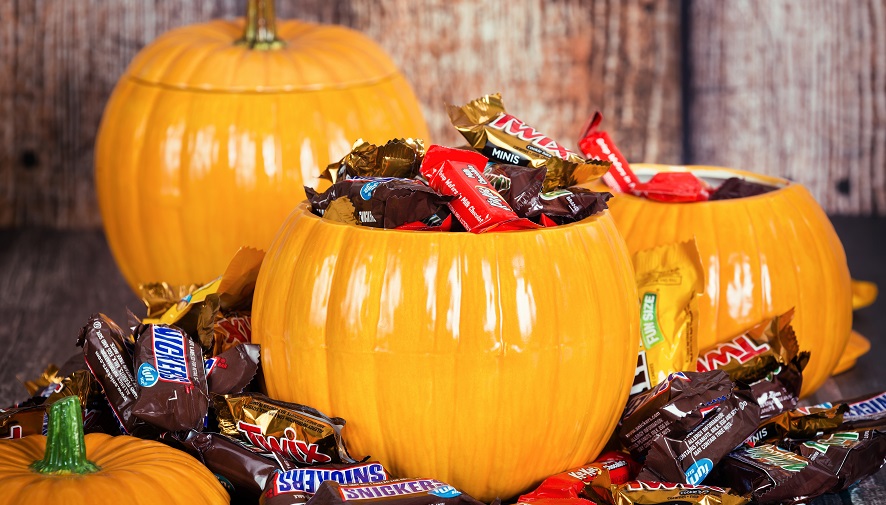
x,y
555,62
795,88
52,281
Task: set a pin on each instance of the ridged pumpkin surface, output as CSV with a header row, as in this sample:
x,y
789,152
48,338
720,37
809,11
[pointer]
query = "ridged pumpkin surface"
x,y
762,255
487,361
133,471
205,146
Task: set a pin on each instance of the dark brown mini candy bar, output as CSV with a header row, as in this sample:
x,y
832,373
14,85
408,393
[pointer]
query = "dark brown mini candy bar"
x,y
773,475
689,456
850,455
519,186
399,491
232,370
564,206
297,485
172,379
105,352
736,187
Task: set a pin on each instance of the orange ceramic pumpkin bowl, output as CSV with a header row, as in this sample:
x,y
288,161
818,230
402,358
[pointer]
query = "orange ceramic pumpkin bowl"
x,y
761,255
212,133
487,361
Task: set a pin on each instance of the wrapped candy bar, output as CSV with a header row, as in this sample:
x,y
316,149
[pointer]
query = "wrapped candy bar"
x,y
397,491
597,145
587,482
398,158
299,484
736,187
655,493
850,455
803,423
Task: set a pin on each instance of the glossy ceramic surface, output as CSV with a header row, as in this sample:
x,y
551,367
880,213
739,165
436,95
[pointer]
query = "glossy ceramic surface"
x,y
487,361
133,471
206,146
762,255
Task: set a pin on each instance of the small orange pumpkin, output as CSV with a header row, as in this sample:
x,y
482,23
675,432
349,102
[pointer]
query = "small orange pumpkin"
x,y
487,361
210,136
762,255
99,468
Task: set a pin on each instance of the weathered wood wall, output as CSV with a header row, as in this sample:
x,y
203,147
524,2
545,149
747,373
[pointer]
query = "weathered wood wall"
x,y
792,87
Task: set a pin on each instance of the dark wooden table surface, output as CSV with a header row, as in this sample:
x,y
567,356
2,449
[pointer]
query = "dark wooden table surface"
x,y
51,281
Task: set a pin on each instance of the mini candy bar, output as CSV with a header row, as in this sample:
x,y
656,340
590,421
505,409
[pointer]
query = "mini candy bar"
x,y
799,424
597,145
111,364
519,186
247,472
172,379
736,187
232,330
668,279
97,414
289,430
401,491
674,187
770,340
850,455
398,158
19,422
50,376
590,482
689,456
680,402
232,370
501,137
299,484
381,202
476,205
564,206
655,493
159,297
868,411
773,475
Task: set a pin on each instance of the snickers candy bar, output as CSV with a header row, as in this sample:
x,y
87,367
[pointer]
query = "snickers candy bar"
x,y
640,492
381,202
109,361
773,475
680,402
688,456
297,485
850,455
172,379
476,203
400,491
289,431
232,370
503,138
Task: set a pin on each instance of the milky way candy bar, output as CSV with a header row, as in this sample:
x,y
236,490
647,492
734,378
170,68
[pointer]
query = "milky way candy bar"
x,y
503,138
171,377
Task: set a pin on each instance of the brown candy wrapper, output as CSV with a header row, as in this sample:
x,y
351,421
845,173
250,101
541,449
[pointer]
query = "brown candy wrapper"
x,y
288,430
232,330
669,278
655,493
770,474
378,202
171,376
564,206
246,472
109,361
22,422
400,491
867,411
519,186
688,456
803,423
299,484
232,370
398,158
851,456
503,138
736,187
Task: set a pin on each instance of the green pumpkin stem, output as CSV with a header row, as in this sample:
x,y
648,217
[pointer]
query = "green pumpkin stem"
x,y
261,26
65,447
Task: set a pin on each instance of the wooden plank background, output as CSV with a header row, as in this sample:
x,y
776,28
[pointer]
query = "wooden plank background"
x,y
789,87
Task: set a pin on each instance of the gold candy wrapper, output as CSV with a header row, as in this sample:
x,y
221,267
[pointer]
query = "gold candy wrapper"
x,y
49,376
158,297
397,158
654,493
669,278
501,137
341,210
286,430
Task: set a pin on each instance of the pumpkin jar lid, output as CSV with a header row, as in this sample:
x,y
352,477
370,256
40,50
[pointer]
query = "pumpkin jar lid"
x,y
302,57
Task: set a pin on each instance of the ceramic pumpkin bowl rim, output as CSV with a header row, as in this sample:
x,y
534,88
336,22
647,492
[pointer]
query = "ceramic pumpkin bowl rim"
x,y
293,266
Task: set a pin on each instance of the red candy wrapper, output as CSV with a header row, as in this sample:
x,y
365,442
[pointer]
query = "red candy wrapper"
x,y
674,187
479,208
597,145
589,482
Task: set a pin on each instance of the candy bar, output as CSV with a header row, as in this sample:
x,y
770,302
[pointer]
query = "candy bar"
x,y
851,456
597,145
232,370
587,482
299,484
399,491
564,206
803,423
398,158
736,187
656,493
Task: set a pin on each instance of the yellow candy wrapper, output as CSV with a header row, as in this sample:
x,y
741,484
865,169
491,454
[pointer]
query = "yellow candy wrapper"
x,y
669,279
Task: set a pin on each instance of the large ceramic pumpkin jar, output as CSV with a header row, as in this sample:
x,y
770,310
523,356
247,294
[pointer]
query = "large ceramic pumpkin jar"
x,y
214,129
487,361
762,255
